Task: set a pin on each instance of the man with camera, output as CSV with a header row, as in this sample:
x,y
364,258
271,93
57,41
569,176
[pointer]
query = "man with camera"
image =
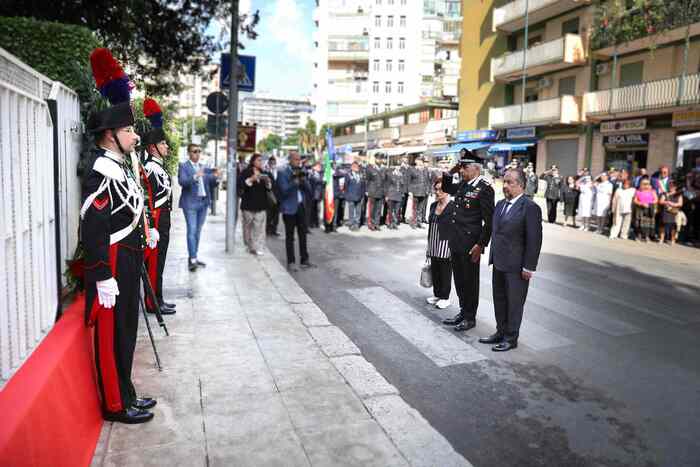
x,y
295,190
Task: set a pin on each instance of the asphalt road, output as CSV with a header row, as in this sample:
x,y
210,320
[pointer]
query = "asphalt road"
x,y
607,372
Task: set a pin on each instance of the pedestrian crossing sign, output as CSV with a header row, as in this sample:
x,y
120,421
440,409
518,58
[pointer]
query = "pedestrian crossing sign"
x,y
245,71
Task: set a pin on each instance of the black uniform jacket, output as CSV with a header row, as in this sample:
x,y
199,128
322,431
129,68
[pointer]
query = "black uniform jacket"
x,y
471,213
106,217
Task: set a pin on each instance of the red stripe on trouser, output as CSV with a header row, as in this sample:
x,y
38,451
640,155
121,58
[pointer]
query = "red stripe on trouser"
x,y
107,365
150,256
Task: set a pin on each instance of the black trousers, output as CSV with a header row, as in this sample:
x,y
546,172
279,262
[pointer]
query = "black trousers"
x,y
363,211
273,219
385,212
375,211
552,210
339,212
315,213
404,203
441,270
291,222
116,329
509,294
466,277
394,213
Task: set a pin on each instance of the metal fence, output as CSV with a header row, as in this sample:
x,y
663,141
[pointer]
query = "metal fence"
x,y
28,223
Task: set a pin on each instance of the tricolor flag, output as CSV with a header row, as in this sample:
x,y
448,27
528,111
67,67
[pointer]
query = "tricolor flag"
x,y
328,203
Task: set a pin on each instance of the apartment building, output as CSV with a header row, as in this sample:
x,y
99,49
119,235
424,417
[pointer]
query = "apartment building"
x,y
279,116
192,100
573,93
372,56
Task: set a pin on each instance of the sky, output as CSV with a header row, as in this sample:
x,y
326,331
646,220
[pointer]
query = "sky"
x,y
283,48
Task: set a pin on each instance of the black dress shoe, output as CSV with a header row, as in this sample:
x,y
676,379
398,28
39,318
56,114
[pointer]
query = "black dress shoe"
x,y
465,325
492,339
452,321
307,265
505,346
163,311
201,264
130,416
169,305
144,403
192,266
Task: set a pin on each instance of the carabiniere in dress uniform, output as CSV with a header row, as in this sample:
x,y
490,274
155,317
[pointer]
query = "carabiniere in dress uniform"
x,y
469,234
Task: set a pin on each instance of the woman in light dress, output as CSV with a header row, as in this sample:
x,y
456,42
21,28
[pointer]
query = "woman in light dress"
x,y
585,200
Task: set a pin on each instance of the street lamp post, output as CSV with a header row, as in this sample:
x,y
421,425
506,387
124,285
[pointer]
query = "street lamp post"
x,y
231,176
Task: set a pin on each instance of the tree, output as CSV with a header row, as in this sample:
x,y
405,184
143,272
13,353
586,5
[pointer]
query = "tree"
x,y
270,142
155,39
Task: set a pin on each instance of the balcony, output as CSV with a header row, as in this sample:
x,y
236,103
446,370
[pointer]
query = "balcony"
x,y
349,50
644,43
565,110
543,58
511,17
643,99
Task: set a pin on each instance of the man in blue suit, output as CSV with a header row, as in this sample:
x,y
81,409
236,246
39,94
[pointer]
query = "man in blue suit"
x,y
516,241
295,191
197,182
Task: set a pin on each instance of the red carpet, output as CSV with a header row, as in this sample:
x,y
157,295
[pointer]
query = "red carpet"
x,y
50,410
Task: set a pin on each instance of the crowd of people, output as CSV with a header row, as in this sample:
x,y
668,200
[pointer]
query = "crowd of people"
x,y
660,207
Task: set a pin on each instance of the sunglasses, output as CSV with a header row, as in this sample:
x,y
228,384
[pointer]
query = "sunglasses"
x,y
196,151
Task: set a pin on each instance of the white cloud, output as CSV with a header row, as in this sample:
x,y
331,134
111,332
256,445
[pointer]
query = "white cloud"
x,y
284,23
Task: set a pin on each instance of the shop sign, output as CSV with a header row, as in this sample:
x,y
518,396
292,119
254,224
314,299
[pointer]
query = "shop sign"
x,y
686,118
636,124
521,133
635,139
476,135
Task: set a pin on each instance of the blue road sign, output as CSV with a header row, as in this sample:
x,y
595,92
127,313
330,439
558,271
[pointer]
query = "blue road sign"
x,y
246,72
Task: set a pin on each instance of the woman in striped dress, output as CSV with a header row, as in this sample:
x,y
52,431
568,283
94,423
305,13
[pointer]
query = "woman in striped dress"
x,y
438,251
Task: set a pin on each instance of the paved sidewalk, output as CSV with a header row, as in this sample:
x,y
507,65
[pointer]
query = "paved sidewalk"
x,y
255,375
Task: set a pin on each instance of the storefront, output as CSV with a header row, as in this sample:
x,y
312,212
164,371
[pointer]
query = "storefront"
x,y
629,151
520,144
626,144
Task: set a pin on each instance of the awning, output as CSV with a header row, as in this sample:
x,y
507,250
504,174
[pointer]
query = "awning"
x,y
509,147
455,148
398,150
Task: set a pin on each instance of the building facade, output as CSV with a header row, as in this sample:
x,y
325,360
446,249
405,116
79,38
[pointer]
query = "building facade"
x,y
372,56
275,116
577,92
192,100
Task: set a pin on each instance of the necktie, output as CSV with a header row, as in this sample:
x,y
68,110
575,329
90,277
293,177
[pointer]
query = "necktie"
x,y
505,208
201,191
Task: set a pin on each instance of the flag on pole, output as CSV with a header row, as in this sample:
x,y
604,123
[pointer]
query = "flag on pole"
x,y
328,202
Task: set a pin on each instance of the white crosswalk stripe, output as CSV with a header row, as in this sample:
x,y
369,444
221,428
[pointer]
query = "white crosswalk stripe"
x,y
437,343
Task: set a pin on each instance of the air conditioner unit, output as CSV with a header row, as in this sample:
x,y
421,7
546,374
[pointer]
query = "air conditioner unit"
x,y
544,83
602,69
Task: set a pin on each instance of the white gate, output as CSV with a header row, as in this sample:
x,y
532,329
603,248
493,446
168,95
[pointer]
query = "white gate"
x,y
28,283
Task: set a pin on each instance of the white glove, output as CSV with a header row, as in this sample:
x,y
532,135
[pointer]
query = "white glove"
x,y
107,292
154,237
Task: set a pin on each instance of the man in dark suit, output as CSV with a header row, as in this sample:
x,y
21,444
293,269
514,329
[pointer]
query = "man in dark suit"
x,y
295,189
197,182
515,251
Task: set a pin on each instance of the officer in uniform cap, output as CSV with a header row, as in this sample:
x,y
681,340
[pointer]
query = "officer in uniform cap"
x,y
469,234
113,235
157,184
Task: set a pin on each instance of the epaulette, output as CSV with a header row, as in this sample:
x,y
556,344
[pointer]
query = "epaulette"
x,y
109,168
